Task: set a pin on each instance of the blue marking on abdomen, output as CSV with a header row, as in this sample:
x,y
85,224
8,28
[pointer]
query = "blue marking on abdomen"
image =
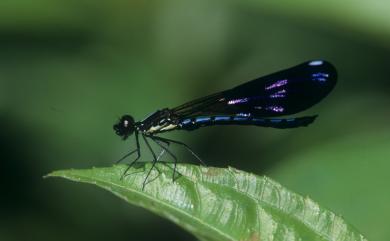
x,y
276,120
239,118
202,119
222,118
186,121
197,122
258,120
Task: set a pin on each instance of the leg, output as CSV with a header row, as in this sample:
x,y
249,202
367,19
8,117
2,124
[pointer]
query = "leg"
x,y
125,156
132,152
170,153
180,143
162,152
153,164
138,155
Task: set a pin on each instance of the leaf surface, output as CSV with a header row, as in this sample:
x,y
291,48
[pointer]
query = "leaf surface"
x,y
220,203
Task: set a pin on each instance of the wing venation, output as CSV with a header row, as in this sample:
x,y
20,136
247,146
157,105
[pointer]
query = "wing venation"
x,y
283,93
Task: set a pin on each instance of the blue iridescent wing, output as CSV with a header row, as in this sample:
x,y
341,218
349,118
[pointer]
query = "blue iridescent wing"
x,y
283,93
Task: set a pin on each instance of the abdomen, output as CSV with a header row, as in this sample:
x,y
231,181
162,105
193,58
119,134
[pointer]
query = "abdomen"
x,y
280,123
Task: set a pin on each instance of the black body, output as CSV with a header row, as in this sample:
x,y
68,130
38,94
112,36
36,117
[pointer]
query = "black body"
x,y
257,102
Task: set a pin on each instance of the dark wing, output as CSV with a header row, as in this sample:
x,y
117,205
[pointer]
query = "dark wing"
x,y
283,93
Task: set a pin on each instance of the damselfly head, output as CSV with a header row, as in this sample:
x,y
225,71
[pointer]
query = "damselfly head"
x,y
125,126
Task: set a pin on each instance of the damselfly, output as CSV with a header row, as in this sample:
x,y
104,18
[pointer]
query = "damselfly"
x,y
254,103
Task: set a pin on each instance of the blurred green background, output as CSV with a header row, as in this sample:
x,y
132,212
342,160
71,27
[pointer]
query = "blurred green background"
x,y
69,69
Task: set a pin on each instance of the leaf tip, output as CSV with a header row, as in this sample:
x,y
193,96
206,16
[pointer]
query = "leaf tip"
x,y
52,174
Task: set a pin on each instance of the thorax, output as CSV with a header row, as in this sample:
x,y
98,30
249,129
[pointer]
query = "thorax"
x,y
157,122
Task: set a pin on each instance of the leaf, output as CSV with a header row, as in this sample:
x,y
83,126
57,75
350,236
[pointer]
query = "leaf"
x,y
218,204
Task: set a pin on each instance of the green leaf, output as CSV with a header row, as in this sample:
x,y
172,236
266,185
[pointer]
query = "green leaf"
x,y
220,204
